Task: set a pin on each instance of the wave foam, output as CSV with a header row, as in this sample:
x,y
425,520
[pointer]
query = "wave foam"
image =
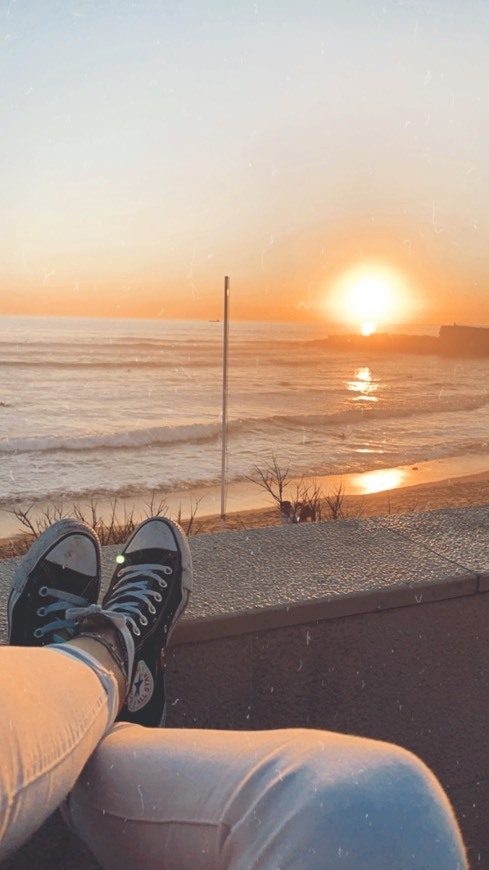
x,y
128,439
193,433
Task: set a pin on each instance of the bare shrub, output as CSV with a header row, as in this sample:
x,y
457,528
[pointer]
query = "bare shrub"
x,y
113,528
117,528
156,508
310,507
334,503
301,502
22,515
36,525
306,502
273,479
188,525
298,502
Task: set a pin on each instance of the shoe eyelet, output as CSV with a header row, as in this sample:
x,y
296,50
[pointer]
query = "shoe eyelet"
x,y
38,632
43,591
143,620
163,584
166,569
41,611
151,609
136,631
158,597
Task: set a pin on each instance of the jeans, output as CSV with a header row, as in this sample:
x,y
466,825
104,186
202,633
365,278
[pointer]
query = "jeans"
x,y
192,799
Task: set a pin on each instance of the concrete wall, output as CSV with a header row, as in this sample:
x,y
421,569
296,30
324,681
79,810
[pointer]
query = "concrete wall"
x,y
418,677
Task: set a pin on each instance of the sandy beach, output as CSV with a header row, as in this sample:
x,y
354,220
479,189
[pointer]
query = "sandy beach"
x,y
433,495
440,484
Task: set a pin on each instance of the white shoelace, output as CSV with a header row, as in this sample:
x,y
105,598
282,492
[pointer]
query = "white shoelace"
x,y
124,612
62,603
133,583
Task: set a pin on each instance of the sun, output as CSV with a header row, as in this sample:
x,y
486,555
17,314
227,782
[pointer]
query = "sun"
x,y
368,297
368,327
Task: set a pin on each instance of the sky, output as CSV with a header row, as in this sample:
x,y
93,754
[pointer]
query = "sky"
x,y
151,147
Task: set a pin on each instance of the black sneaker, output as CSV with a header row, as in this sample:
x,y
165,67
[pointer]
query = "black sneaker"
x,y
147,593
61,570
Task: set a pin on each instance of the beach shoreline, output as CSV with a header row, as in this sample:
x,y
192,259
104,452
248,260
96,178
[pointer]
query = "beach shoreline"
x,y
419,488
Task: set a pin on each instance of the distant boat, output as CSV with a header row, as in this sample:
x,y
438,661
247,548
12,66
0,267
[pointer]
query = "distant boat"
x,y
214,321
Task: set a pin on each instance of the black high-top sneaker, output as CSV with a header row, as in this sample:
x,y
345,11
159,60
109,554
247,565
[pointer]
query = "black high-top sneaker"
x,y
61,570
147,593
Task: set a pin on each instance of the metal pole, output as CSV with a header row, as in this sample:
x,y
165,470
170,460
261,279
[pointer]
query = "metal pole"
x,y
224,397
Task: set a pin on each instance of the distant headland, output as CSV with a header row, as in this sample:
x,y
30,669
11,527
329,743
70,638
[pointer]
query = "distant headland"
x,y
459,341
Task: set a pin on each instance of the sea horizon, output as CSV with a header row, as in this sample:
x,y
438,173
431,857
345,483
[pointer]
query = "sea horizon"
x,y
315,323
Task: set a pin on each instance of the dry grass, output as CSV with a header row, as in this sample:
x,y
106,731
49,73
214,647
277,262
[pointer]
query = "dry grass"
x,y
113,528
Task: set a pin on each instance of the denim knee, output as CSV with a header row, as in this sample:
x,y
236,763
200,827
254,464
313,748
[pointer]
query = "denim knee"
x,y
373,805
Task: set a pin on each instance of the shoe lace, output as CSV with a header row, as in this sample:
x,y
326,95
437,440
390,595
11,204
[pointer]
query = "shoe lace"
x,y
132,592
129,594
57,608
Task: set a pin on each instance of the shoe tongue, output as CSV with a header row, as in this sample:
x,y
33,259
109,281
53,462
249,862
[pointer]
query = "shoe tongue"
x,y
57,577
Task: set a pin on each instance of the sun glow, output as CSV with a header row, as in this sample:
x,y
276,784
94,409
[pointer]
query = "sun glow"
x,y
368,297
368,327
380,480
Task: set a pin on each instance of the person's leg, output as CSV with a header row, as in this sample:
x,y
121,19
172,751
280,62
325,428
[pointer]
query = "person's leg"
x,y
294,800
57,702
53,712
54,709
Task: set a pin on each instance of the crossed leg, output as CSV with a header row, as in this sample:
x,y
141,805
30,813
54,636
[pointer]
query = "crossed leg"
x,y
289,799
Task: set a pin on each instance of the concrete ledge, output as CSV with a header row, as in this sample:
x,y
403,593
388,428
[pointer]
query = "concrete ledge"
x,y
268,578
199,629
283,575
374,627
458,534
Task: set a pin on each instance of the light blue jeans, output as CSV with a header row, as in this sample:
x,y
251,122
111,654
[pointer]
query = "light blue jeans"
x,y
206,800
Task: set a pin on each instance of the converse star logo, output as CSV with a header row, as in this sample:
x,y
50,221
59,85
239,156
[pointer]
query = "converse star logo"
x,y
141,689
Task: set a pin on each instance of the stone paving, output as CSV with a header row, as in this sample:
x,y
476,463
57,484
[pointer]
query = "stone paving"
x,y
343,566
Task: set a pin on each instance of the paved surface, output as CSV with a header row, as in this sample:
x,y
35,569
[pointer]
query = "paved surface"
x,y
458,534
348,566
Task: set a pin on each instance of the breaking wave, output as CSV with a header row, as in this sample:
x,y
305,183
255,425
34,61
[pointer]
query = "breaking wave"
x,y
194,433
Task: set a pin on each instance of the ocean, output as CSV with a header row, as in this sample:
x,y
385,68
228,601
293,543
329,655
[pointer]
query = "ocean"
x,y
119,408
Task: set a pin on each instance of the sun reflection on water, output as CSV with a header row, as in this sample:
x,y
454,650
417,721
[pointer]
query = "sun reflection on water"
x,y
378,481
363,384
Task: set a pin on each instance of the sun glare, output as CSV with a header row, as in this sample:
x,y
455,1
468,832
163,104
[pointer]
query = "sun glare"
x,y
380,480
368,327
369,297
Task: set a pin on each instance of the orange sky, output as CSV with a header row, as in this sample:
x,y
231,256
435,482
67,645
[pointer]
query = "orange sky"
x,y
149,152
294,283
